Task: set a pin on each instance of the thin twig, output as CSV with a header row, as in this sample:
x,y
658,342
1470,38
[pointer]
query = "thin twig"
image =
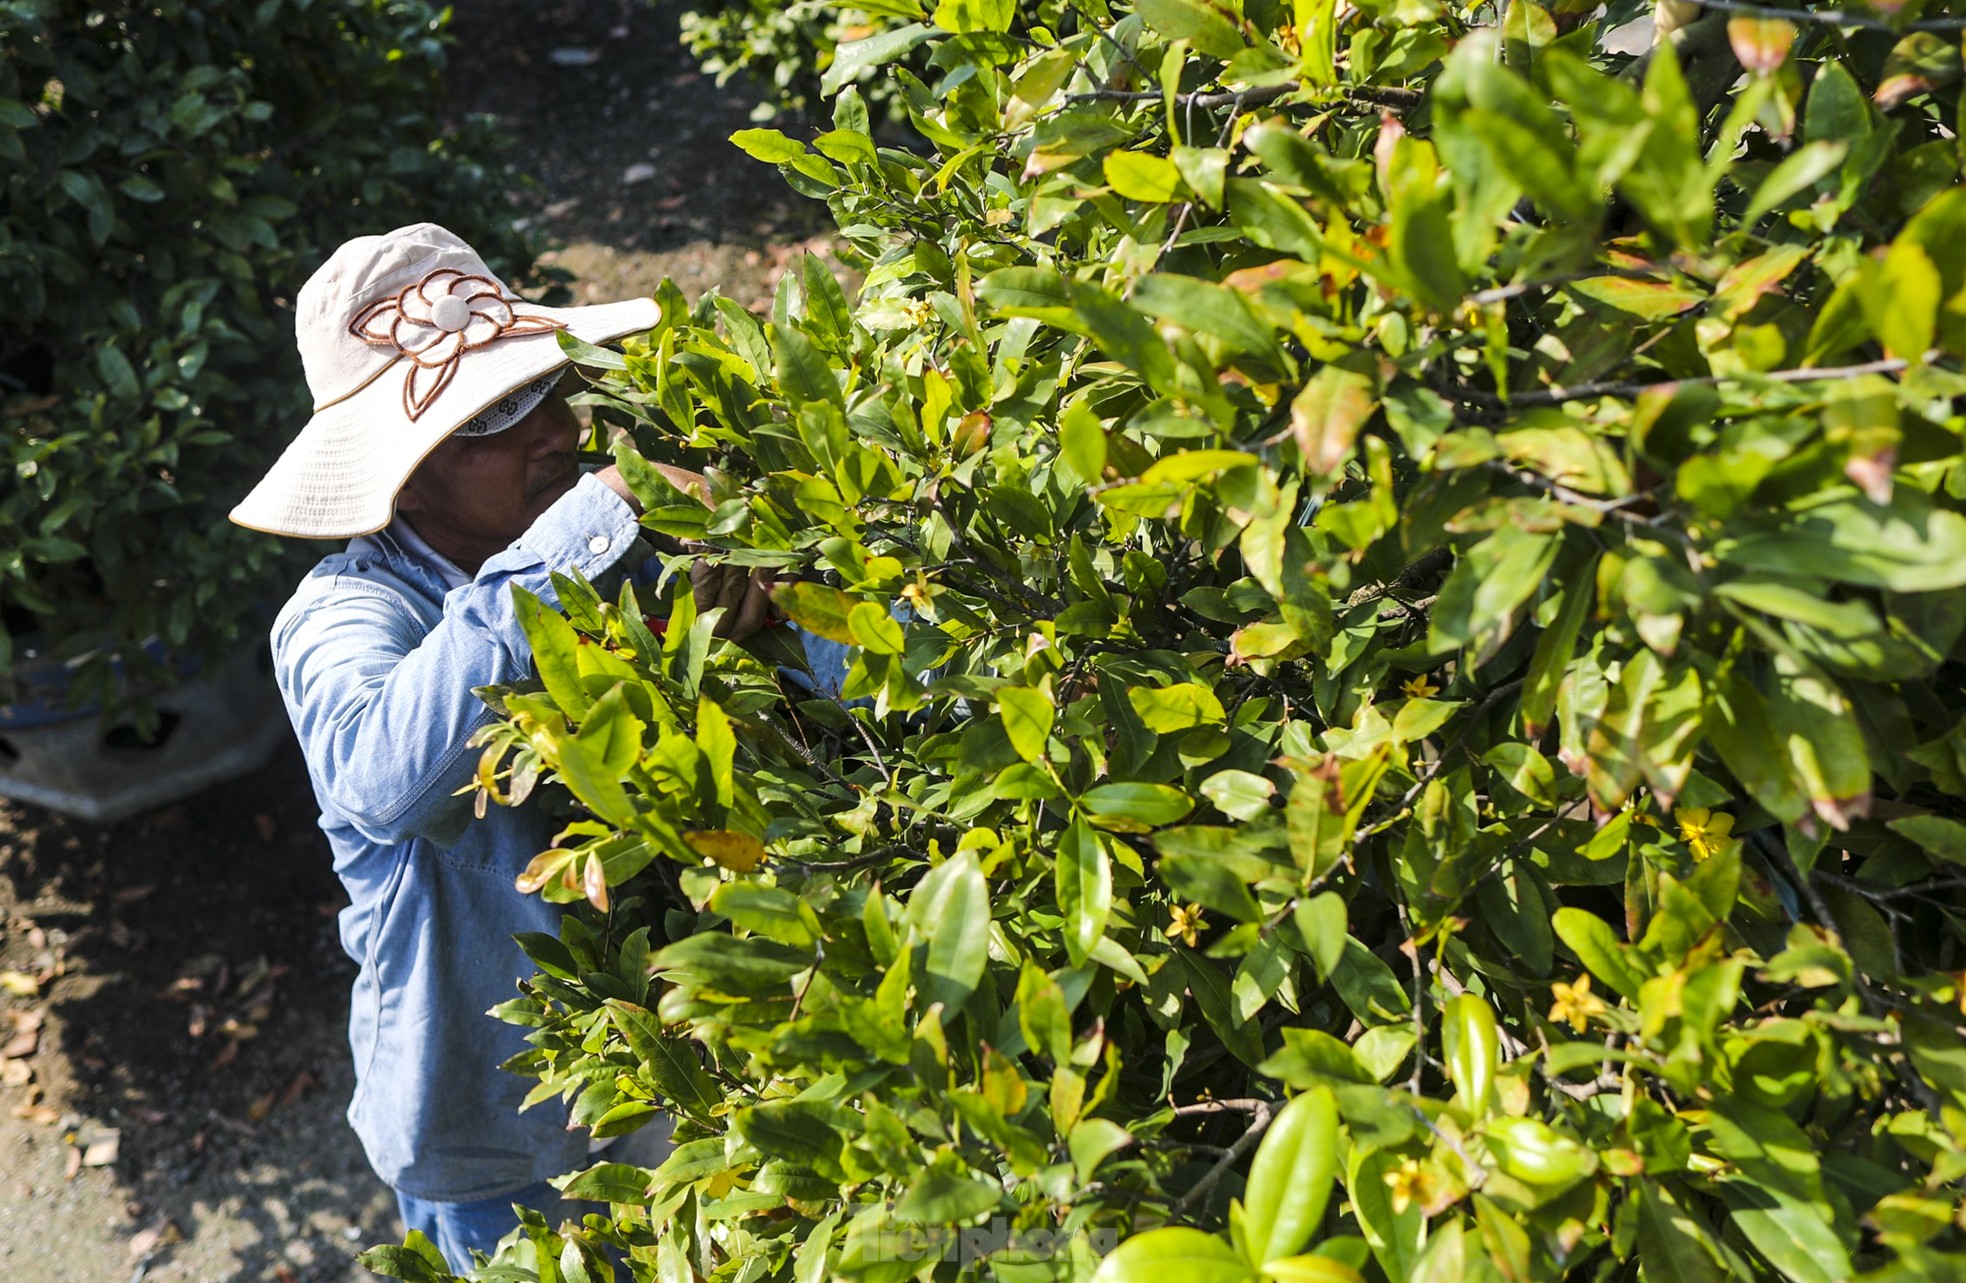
x,y
1378,95
1834,17
1875,893
1583,391
1242,1105
1516,289
857,862
1244,1143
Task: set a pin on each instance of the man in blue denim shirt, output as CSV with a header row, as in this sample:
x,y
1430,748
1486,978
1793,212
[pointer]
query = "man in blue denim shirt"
x,y
440,446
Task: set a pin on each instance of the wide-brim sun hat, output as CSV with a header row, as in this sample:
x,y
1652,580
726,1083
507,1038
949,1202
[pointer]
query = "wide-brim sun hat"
x,y
405,337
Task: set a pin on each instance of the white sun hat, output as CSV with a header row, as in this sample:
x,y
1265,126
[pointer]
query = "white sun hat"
x,y
406,337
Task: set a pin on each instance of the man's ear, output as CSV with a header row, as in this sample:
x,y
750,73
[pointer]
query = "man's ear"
x,y
407,499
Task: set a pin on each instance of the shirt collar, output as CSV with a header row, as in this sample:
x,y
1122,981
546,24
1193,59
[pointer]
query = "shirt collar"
x,y
414,546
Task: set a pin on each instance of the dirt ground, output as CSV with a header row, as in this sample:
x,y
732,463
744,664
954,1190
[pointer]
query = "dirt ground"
x,y
173,1063
628,148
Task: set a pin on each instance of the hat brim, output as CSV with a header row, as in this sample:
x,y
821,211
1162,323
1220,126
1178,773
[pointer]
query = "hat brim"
x,y
341,475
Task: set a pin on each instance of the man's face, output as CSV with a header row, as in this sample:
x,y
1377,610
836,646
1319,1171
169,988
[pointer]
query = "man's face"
x,y
472,496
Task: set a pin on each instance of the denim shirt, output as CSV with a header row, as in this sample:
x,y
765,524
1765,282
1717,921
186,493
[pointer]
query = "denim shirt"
x,y
376,659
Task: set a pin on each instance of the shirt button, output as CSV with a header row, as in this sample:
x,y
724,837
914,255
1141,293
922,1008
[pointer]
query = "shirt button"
x,y
598,544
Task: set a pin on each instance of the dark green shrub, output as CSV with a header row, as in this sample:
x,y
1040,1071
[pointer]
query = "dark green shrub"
x,y
1408,719
800,54
172,173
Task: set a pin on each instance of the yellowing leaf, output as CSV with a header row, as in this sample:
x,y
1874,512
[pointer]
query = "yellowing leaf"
x,y
1327,415
738,852
820,610
1651,300
594,882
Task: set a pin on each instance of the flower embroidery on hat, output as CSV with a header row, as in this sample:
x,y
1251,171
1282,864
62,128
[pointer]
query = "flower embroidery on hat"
x,y
435,322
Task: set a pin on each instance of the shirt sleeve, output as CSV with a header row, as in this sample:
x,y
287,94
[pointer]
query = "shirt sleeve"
x,y
384,709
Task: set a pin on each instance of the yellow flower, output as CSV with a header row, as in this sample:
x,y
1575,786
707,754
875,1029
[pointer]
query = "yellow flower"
x,y
1184,924
1704,832
1420,688
1575,1004
1410,1183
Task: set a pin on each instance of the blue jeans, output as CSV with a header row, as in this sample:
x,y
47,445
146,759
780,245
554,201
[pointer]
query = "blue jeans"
x,y
457,1228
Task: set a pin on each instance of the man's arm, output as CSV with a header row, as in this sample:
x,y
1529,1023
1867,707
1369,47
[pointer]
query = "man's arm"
x,y
384,715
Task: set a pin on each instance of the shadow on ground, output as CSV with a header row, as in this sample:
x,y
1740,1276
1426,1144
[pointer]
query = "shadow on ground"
x,y
176,992
635,175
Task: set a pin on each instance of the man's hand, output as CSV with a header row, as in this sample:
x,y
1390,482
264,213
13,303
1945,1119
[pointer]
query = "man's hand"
x,y
744,595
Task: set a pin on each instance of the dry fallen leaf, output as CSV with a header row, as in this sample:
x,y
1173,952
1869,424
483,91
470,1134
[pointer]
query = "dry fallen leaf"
x,y
74,1164
303,1082
160,1233
226,1055
15,1073
41,1115
21,1045
19,983
259,1109
130,895
99,1146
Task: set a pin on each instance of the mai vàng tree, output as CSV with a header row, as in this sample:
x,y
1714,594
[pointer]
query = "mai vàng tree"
x,y
1403,570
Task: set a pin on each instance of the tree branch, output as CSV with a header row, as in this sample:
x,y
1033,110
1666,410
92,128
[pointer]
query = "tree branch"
x,y
1264,1113
1834,17
1378,95
1628,389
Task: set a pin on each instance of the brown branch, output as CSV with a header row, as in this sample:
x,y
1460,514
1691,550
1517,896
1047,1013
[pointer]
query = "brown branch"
x,y
1243,1105
1834,17
1244,1143
1627,389
1516,289
1378,95
857,862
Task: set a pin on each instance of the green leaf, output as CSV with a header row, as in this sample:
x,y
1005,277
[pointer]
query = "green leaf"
x,y
1082,441
1906,547
1241,795
1937,835
1212,28
1139,176
1149,804
608,1183
553,642
1027,718
964,16
857,55
941,1197
950,909
1173,1252
1167,709
1290,1177
1320,923
802,372
1203,306
768,145
1084,885
1597,945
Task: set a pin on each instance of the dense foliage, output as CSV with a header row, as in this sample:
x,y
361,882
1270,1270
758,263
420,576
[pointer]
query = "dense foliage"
x,y
170,172
1405,574
802,53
